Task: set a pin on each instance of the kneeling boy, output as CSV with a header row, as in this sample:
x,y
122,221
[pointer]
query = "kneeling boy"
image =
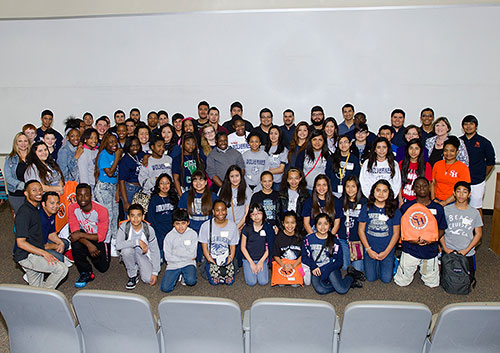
x,y
422,224
180,247
138,248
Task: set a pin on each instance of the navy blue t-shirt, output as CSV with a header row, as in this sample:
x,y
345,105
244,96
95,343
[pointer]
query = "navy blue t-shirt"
x,y
427,251
379,227
128,168
307,209
189,168
160,211
197,218
354,212
257,242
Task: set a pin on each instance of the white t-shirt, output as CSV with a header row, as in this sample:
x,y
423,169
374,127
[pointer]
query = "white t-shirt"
x,y
239,143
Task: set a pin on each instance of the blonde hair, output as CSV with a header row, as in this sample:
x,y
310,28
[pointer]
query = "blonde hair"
x,y
15,151
205,145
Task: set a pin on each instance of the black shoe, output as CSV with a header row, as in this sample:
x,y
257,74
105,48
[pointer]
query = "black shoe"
x,y
357,275
356,283
84,278
132,282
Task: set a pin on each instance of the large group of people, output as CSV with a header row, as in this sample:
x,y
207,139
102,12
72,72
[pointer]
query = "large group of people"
x,y
321,203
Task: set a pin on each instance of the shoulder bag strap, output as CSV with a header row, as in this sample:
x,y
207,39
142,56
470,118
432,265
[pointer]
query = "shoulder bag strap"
x,y
314,166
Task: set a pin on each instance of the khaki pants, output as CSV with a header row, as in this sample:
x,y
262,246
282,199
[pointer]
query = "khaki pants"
x,y
429,270
36,267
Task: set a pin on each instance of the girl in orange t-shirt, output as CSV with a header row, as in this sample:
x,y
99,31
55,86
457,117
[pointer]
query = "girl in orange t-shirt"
x,y
446,173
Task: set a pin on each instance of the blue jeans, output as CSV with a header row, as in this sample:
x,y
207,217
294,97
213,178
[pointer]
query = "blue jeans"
x,y
131,190
335,283
251,278
60,256
376,269
171,277
105,194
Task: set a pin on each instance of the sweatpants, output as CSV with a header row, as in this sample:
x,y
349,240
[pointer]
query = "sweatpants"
x,y
134,261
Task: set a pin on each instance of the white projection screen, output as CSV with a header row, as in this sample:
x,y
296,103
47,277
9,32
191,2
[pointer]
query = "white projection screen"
x,y
378,59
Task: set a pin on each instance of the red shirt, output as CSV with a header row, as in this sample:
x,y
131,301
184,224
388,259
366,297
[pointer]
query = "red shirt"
x,y
407,190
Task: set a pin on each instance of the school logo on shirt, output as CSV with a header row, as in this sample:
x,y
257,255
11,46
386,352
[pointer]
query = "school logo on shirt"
x,y
418,220
286,273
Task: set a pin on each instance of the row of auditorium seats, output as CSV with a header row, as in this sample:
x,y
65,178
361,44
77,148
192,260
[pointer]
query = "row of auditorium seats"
x,y
42,320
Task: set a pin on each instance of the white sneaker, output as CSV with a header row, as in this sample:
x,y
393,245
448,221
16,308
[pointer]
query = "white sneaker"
x,y
114,252
25,277
181,279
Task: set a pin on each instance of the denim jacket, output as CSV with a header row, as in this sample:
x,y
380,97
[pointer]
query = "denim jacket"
x,y
67,162
9,169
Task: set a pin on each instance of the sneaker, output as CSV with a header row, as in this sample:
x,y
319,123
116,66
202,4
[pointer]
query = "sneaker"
x,y
68,262
132,282
356,283
84,278
25,277
181,279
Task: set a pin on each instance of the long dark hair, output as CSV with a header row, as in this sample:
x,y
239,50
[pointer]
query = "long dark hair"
x,y
406,161
336,132
325,152
226,192
104,143
42,167
196,155
372,159
298,234
281,145
346,203
295,140
284,181
172,193
329,208
330,240
206,197
173,141
391,204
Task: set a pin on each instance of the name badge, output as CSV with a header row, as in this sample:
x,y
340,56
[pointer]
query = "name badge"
x,y
433,211
262,233
340,188
224,234
349,166
358,207
383,217
167,164
187,242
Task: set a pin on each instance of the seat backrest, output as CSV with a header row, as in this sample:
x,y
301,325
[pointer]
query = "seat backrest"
x,y
384,326
116,322
38,317
467,327
292,325
201,324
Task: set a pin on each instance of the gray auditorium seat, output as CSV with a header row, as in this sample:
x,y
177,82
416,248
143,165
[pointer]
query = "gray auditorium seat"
x,y
201,324
39,320
290,325
466,328
384,326
116,322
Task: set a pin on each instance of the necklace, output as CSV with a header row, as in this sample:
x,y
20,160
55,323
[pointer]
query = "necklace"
x,y
448,168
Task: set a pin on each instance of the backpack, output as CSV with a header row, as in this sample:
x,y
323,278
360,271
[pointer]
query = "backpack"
x,y
456,276
418,222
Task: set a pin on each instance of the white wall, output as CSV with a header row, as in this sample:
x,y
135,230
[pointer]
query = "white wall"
x,y
378,59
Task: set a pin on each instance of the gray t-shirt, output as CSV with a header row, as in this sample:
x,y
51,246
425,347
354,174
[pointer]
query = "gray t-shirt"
x,y
461,224
275,161
239,210
293,196
255,164
222,238
309,165
147,175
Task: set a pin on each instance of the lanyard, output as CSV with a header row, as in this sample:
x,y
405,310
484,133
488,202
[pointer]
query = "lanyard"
x,y
342,171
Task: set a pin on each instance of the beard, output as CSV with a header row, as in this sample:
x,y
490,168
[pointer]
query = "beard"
x,y
318,123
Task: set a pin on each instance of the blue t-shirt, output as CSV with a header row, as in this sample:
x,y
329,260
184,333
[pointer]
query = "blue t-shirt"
x,y
106,161
354,212
258,242
129,167
48,224
379,227
307,209
314,255
347,168
427,251
197,218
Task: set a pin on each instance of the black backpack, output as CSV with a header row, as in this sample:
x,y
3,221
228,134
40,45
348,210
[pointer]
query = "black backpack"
x,y
456,277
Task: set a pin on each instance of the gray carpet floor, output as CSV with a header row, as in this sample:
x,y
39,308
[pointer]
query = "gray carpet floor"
x,y
488,283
